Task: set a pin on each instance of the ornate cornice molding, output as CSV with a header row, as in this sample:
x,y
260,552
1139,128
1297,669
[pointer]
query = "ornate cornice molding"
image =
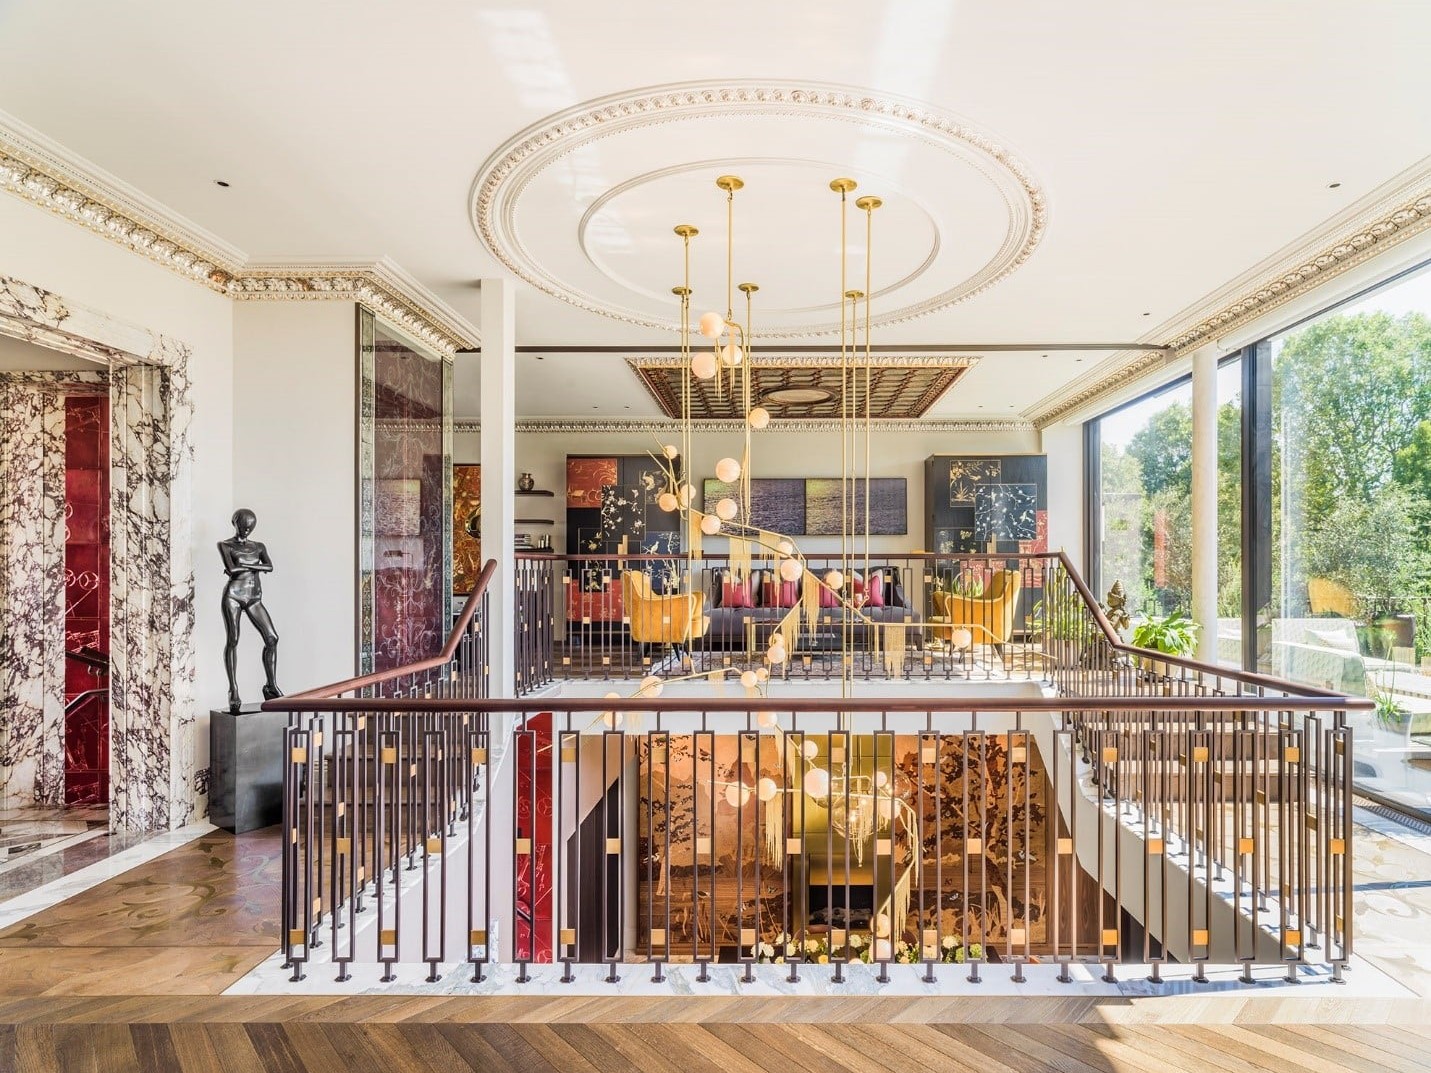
x,y
380,285
637,425
774,359
516,162
1397,212
45,174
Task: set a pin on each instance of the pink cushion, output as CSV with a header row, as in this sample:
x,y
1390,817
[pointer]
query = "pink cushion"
x,y
779,594
875,591
735,594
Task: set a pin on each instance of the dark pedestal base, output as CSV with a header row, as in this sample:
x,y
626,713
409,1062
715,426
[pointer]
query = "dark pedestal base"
x,y
246,768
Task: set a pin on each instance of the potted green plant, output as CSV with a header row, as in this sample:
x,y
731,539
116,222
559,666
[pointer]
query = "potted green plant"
x,y
1174,634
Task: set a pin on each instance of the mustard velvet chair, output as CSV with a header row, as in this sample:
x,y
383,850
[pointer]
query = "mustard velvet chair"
x,y
1327,596
661,620
990,617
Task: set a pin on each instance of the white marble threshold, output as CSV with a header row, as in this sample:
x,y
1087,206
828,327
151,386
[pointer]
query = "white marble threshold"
x,y
51,894
270,978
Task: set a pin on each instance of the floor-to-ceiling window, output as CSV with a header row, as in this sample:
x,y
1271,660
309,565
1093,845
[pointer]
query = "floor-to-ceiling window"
x,y
1324,515
1351,522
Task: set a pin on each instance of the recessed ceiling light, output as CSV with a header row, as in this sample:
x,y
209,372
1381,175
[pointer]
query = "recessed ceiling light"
x,y
221,182
1147,314
1333,186
796,396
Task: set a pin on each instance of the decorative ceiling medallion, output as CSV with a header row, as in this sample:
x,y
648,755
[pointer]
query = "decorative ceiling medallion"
x,y
580,425
899,386
44,173
557,152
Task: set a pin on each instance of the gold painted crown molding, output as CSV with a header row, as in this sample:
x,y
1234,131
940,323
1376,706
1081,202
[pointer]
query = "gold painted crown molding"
x,y
640,424
44,173
510,168
1396,211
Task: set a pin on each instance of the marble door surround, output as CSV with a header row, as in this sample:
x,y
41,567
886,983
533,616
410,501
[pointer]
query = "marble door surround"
x,y
153,781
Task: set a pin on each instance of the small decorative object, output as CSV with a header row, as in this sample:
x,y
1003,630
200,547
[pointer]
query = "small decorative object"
x,y
244,560
1116,607
526,482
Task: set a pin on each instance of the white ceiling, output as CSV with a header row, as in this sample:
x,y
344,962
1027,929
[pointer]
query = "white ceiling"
x,y
1177,146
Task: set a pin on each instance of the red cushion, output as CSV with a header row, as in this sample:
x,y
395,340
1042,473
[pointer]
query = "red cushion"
x,y
875,590
779,594
827,598
735,594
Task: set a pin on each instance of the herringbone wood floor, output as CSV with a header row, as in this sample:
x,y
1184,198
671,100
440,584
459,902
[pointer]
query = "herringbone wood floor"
x,y
128,977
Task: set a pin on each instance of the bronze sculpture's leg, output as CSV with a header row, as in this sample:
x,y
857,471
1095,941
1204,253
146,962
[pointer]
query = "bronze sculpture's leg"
x,y
258,615
232,612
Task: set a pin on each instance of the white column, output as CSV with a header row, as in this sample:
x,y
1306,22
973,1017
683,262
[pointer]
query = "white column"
x,y
498,373
1204,501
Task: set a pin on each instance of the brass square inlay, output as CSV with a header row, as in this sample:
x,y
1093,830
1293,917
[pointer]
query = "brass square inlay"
x,y
1065,845
1292,754
1200,754
792,846
1244,846
1338,847
899,385
1155,847
1292,937
613,845
567,936
1200,937
747,937
479,938
524,846
297,938
1110,755
434,845
703,845
658,936
1110,936
479,756
387,937
974,847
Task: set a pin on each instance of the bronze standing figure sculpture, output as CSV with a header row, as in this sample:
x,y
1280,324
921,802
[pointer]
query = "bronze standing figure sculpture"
x,y
244,560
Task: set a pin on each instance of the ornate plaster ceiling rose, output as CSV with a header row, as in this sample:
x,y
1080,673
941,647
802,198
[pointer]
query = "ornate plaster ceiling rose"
x,y
581,204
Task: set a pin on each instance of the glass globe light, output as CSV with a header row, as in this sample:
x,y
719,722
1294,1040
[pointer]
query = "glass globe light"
x,y
786,547
765,719
776,655
711,325
611,719
731,355
790,569
881,778
728,470
882,924
671,451
766,789
667,501
761,674
710,525
817,782
748,679
736,795
703,365
759,417
687,493
883,950
835,580
652,685
726,509
810,749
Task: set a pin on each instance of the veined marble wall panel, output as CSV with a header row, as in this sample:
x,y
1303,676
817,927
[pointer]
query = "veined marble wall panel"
x,y
152,707
155,783
32,577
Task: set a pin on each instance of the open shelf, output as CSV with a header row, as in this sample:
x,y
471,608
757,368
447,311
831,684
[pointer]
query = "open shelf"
x,y
535,492
533,521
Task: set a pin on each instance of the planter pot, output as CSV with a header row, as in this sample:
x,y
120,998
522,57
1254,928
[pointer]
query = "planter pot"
x,y
1392,631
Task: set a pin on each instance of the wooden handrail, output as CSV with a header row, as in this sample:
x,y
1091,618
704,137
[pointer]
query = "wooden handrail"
x,y
329,692
817,705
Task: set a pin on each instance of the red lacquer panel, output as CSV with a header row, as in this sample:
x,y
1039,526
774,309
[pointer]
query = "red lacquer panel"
x,y
585,478
86,595
534,821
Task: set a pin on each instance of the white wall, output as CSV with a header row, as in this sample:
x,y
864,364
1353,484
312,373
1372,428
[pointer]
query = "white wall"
x,y
295,465
81,267
773,454
1064,446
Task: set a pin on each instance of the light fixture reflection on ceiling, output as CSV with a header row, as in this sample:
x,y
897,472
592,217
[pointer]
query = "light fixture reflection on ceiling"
x,y
795,396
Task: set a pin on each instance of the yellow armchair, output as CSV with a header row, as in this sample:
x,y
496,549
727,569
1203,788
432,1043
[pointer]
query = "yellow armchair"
x,y
990,617
661,620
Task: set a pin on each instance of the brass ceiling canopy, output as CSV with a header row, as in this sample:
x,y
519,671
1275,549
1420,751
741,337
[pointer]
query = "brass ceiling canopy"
x,y
901,386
